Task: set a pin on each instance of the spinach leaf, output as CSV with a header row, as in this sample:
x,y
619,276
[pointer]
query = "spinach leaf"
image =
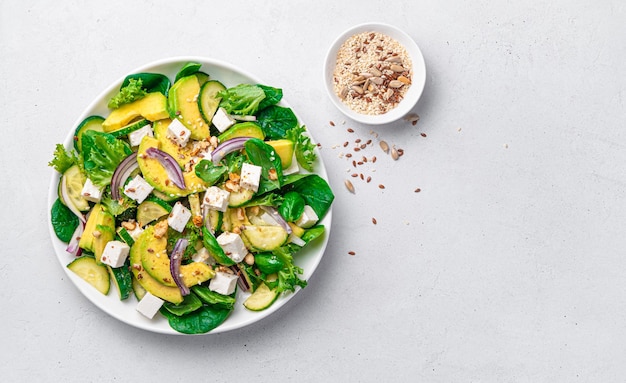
x,y
243,99
313,233
210,173
64,222
150,82
276,121
272,96
292,207
190,303
213,298
200,321
314,189
261,154
268,263
187,70
214,248
101,154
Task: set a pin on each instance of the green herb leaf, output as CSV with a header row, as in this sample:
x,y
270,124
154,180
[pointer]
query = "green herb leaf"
x,y
133,91
63,159
101,154
276,121
305,149
210,173
243,99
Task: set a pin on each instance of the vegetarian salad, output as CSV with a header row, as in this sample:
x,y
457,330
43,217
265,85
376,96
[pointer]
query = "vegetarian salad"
x,y
187,192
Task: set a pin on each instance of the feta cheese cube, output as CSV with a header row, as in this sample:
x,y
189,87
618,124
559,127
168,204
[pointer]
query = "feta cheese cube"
x,y
149,305
178,132
204,256
138,189
135,137
216,198
233,246
178,218
250,176
223,283
308,218
91,192
222,120
293,168
115,253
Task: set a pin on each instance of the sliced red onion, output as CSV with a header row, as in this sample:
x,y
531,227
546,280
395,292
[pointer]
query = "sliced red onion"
x,y
175,261
72,246
68,201
170,165
241,281
226,147
121,174
243,118
271,210
296,240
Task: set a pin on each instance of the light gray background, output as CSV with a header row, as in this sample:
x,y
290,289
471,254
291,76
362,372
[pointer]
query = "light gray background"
x,y
508,266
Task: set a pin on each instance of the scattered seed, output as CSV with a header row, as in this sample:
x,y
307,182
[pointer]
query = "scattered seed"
x,y
374,159
354,163
418,190
357,140
357,149
350,130
384,146
361,175
381,186
351,253
349,186
400,152
332,123
423,134
354,175
368,179
348,155
394,154
345,144
374,221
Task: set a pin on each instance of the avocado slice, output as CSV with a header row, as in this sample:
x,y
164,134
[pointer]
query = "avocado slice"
x,y
152,107
145,241
284,148
155,174
157,264
182,101
99,230
182,155
242,129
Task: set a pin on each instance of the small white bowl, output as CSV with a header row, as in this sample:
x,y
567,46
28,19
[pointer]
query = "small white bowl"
x,y
418,79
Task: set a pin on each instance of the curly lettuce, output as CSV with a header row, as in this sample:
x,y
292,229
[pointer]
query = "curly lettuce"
x,y
133,91
102,153
63,159
304,148
243,99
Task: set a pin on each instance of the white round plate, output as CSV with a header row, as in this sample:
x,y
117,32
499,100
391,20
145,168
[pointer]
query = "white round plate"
x,y
308,258
418,79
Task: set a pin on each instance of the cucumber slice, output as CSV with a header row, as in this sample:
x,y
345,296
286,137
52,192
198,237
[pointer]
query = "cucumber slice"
x,y
265,238
164,197
261,298
236,199
126,130
122,280
208,102
88,269
148,211
89,123
125,236
138,289
74,181
215,220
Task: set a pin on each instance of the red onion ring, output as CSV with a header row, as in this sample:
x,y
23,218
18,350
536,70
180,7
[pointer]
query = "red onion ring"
x,y
121,173
175,261
226,147
271,210
170,165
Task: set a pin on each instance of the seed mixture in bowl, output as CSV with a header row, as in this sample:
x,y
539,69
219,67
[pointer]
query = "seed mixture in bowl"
x,y
372,73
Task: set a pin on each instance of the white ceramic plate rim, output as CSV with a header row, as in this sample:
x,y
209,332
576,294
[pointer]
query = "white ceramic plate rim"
x,y
418,80
308,258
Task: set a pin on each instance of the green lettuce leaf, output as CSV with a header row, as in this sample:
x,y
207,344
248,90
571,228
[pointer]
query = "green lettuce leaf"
x,y
304,149
133,91
101,154
63,159
243,99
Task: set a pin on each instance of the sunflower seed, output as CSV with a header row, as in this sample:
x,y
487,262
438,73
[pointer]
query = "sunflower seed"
x,y
349,186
